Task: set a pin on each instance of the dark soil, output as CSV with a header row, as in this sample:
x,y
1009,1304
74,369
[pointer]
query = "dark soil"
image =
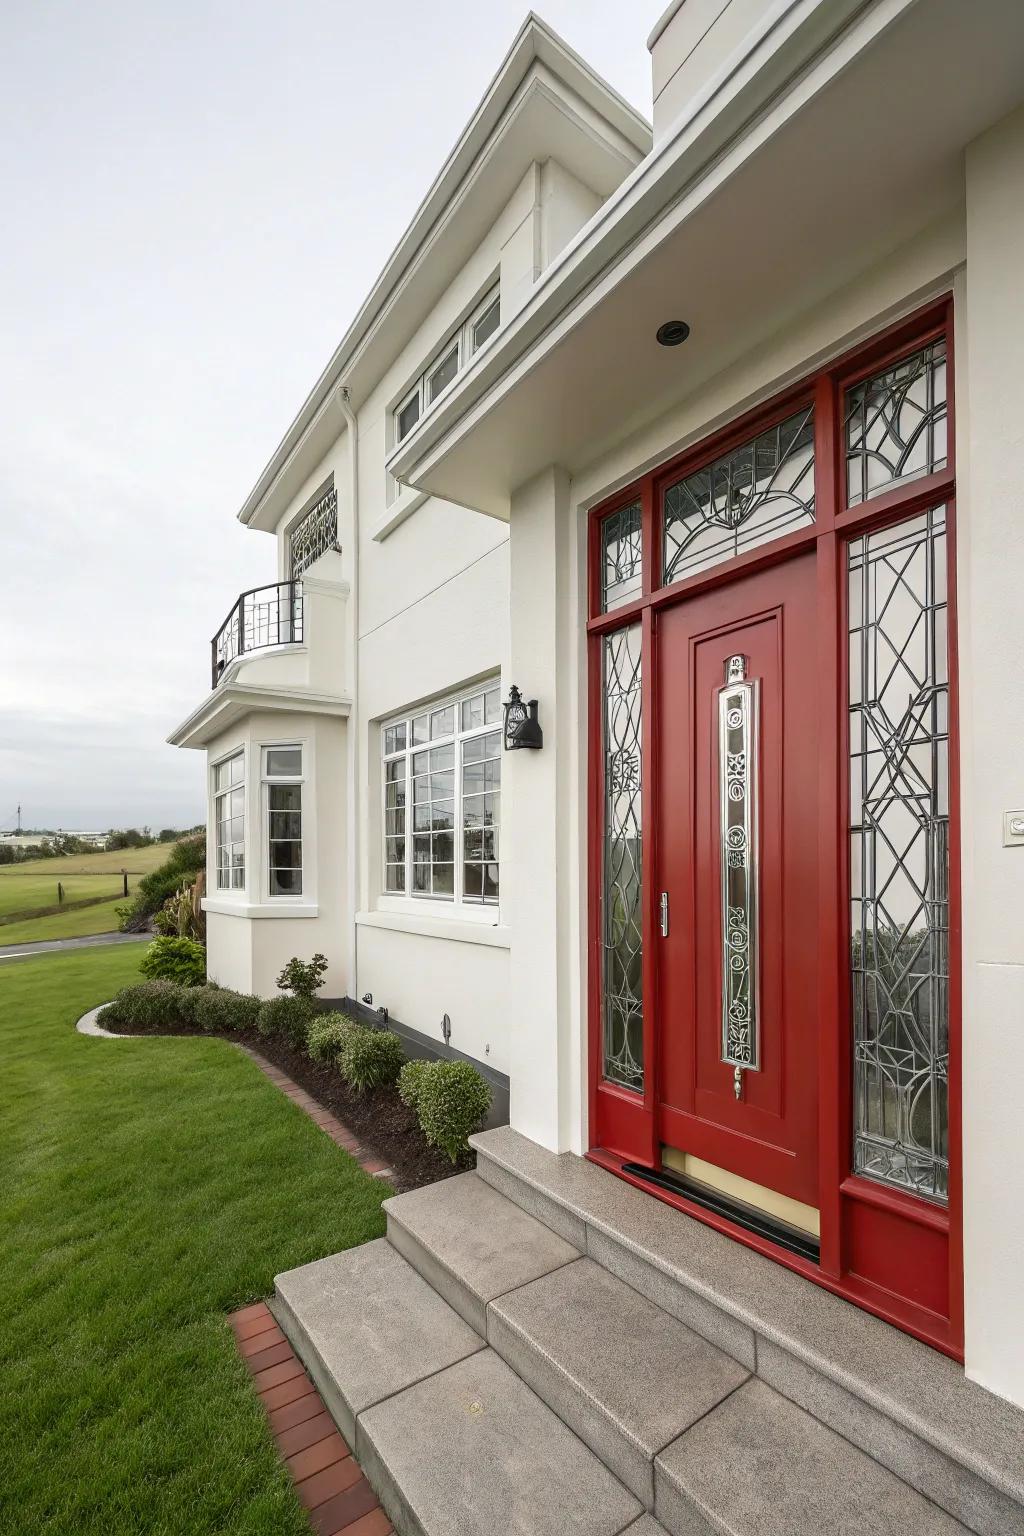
x,y
379,1119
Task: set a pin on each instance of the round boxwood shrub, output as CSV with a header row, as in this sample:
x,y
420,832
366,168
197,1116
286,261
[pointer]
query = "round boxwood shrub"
x,y
370,1058
148,1005
453,1100
175,959
410,1081
327,1034
286,1018
218,1010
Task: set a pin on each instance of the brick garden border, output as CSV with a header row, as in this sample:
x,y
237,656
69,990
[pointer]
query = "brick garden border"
x,y
327,1477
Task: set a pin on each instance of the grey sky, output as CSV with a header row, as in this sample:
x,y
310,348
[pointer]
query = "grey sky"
x,y
196,198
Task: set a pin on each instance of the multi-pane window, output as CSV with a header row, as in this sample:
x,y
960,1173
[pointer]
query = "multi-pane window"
x,y
447,363
621,557
895,424
442,797
282,778
229,822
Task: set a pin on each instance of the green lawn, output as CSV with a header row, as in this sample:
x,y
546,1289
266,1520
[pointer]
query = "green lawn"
x,y
149,1188
24,887
102,918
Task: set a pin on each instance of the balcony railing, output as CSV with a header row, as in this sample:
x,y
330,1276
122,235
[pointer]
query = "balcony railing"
x,y
263,617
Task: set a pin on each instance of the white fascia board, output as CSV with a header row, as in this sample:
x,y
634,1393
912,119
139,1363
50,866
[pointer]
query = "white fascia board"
x,y
731,117
535,40
229,702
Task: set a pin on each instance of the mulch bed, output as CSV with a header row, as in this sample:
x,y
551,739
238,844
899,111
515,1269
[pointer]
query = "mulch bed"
x,y
378,1119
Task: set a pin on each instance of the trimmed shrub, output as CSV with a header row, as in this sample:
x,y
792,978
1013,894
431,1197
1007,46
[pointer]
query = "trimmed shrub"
x,y
216,1009
302,978
410,1081
286,1018
370,1058
174,959
453,1100
327,1034
150,1004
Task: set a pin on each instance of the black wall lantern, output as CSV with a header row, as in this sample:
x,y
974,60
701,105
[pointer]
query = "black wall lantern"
x,y
522,728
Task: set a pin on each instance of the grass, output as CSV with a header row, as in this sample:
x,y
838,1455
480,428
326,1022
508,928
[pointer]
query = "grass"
x,y
102,918
24,887
149,1188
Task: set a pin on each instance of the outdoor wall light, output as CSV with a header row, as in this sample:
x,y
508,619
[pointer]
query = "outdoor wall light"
x,y
672,333
522,728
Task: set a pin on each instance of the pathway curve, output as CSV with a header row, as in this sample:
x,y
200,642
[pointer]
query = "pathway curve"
x,y
42,946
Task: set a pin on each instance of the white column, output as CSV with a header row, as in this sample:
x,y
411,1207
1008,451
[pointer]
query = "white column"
x,y
541,820
991,581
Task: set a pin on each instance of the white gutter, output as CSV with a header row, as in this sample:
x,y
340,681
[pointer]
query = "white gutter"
x,y
352,729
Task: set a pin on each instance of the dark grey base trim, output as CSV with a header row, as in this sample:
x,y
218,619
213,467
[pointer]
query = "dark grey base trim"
x,y
423,1048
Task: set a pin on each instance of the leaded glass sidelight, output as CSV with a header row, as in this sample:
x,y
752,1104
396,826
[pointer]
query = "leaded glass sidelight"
x,y
761,490
621,570
621,937
899,853
895,424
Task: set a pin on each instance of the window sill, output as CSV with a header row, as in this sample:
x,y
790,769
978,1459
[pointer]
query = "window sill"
x,y
459,930
223,907
405,504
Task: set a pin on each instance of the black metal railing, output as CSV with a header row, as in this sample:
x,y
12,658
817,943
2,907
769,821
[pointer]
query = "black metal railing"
x,y
262,617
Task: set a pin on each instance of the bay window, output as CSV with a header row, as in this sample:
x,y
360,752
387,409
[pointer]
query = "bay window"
x,y
282,784
229,822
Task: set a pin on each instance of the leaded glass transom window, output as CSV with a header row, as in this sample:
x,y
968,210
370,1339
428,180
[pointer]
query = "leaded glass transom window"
x,y
621,935
756,493
621,568
899,853
895,424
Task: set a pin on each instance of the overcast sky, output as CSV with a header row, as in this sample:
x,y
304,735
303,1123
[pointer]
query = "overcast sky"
x,y
196,196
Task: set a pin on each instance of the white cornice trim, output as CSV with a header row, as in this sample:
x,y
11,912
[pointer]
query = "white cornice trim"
x,y
230,702
535,41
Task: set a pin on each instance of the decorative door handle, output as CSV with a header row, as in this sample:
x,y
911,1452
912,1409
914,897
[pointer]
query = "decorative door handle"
x,y
663,909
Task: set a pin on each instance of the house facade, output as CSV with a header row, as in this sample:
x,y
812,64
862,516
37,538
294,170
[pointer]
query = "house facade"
x,y
708,439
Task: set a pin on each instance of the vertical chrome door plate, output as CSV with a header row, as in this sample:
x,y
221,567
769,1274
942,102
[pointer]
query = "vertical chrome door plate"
x,y
663,914
738,747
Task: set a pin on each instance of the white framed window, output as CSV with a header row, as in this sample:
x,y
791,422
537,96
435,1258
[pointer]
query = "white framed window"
x,y
447,362
442,801
229,821
282,799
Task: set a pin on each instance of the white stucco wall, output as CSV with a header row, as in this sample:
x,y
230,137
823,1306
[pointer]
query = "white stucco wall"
x,y
990,521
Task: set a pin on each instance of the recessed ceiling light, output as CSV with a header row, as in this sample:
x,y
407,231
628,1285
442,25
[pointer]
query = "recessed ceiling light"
x,y
672,333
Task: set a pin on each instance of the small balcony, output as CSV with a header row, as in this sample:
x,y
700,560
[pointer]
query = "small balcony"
x,y
261,619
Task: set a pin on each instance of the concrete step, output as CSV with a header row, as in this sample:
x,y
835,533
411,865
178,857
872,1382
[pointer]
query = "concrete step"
x,y
904,1405
366,1326
471,1243
759,1466
622,1374
473,1452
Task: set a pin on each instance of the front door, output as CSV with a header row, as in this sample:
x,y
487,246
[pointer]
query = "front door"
x,y
737,818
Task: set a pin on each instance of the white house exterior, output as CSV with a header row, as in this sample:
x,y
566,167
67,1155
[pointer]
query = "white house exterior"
x,y
763,582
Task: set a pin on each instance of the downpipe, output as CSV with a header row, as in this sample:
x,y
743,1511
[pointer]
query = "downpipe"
x,y
344,399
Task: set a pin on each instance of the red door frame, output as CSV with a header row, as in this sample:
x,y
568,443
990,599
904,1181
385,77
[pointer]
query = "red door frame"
x,y
874,1240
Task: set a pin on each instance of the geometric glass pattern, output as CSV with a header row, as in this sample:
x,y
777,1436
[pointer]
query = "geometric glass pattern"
x,y
737,755
754,494
622,999
896,424
620,557
316,534
899,853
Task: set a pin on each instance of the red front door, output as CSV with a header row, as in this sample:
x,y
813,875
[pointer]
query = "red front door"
x,y
745,952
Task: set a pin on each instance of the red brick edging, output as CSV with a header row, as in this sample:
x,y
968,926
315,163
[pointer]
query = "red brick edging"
x,y
327,1477
340,1134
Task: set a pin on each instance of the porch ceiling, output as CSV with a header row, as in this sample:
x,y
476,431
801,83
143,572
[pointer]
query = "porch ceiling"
x,y
872,157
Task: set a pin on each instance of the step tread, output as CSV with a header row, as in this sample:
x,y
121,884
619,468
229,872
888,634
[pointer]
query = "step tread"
x,y
623,1374
367,1326
472,1449
482,1241
759,1466
918,1388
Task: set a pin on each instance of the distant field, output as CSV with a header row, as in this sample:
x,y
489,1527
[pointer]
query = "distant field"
x,y
102,918
26,887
